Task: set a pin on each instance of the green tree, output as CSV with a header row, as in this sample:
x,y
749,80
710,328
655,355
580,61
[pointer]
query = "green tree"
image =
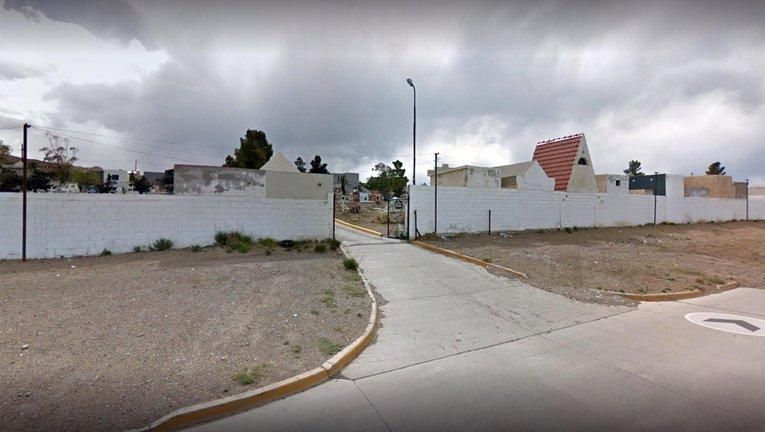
x,y
300,164
108,185
253,152
9,181
389,180
716,168
5,151
140,183
634,168
39,180
168,181
317,167
61,155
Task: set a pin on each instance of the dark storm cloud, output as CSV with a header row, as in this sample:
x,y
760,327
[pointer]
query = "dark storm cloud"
x,y
111,19
638,78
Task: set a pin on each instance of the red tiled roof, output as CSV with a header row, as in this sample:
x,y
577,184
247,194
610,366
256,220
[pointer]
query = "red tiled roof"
x,y
557,157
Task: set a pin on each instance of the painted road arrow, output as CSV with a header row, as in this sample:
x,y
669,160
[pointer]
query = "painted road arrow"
x,y
751,327
729,323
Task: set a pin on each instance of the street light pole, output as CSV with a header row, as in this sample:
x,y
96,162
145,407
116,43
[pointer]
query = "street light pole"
x,y
414,150
414,130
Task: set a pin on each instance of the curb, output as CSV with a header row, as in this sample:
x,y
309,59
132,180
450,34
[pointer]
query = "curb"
x,y
682,295
212,410
476,261
359,228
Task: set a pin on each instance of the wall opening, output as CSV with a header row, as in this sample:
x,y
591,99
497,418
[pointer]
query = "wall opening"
x,y
582,161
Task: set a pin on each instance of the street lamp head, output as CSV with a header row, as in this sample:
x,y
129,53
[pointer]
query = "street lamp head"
x,y
409,81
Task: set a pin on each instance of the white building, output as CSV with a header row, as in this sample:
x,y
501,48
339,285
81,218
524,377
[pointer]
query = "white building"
x,y
120,179
525,175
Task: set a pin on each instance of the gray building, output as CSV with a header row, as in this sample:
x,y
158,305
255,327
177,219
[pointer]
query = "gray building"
x,y
345,182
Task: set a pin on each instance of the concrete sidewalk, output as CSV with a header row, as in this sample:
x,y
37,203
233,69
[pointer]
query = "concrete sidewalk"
x,y
462,349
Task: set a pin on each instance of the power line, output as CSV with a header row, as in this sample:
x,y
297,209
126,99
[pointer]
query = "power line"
x,y
123,148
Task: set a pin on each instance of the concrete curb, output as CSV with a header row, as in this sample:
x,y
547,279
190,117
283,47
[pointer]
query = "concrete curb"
x,y
207,411
459,256
359,228
682,295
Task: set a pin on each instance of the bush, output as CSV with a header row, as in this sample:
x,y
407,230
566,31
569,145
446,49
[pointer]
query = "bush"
x,y
136,249
321,248
161,244
267,242
240,245
106,252
196,248
350,264
221,238
333,243
569,230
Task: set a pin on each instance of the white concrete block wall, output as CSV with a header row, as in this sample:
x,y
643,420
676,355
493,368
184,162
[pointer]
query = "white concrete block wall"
x,y
467,209
84,224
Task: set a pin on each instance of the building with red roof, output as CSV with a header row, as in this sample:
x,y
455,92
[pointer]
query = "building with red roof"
x,y
567,161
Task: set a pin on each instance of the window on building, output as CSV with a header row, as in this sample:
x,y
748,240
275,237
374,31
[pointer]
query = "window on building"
x,y
618,183
582,161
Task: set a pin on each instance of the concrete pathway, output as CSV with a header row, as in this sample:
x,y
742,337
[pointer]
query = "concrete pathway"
x,y
462,349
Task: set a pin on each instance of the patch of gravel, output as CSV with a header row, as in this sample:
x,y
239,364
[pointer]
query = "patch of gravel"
x,y
585,263
105,343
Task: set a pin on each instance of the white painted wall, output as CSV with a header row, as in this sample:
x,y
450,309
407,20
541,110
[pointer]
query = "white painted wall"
x,y
467,210
535,178
85,224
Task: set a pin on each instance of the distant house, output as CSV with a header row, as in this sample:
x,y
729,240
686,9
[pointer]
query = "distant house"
x,y
345,182
120,178
713,186
567,161
525,175
466,176
615,184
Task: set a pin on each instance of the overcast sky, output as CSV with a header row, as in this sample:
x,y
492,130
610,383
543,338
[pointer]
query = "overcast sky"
x,y
676,85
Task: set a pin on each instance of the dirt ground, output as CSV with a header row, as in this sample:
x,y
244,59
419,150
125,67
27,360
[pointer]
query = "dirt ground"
x,y
115,342
374,218
585,263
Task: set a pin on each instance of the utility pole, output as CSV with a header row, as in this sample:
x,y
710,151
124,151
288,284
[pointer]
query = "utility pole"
x,y
135,167
747,199
24,196
435,202
655,188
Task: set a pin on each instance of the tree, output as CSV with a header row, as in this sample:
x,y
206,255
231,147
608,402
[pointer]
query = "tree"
x,y
300,164
716,168
634,168
389,180
317,167
10,181
140,183
168,181
39,180
5,151
108,185
253,152
61,155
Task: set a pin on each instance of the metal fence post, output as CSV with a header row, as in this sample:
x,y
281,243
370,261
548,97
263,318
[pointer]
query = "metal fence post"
x,y
333,215
655,187
747,199
489,221
387,226
415,224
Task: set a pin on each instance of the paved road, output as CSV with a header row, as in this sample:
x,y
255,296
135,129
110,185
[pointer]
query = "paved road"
x,y
461,349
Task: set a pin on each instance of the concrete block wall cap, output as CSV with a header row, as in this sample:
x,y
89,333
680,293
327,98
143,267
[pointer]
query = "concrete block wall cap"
x,y
466,258
682,295
229,405
359,228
